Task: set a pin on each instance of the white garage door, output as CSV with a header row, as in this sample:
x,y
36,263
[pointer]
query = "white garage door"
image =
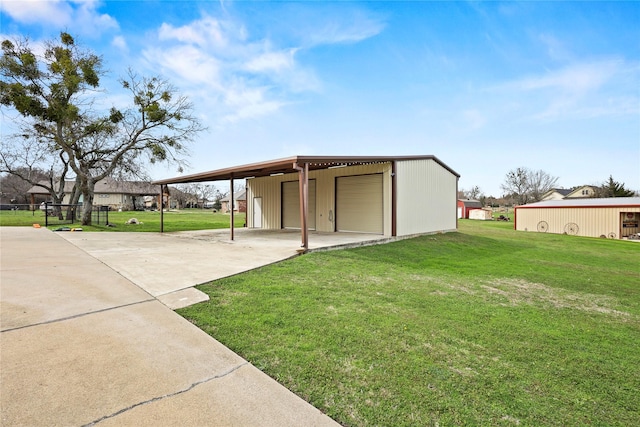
x,y
291,205
359,205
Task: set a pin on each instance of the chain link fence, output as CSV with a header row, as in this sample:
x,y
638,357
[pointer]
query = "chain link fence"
x,y
51,214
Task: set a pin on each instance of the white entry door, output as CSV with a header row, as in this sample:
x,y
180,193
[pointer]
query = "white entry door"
x,y
257,212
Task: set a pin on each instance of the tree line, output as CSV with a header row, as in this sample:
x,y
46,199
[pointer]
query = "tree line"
x,y
523,185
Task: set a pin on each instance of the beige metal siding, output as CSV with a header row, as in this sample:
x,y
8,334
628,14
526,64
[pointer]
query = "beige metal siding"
x,y
291,205
269,188
426,197
579,221
359,203
326,196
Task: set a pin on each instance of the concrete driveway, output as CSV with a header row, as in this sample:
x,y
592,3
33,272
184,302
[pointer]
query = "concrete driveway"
x,y
82,344
168,265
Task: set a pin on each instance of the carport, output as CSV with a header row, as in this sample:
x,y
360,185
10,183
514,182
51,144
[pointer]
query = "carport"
x,y
395,196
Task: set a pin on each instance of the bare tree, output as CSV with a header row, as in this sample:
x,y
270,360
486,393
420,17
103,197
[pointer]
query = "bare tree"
x,y
25,158
14,189
200,191
206,192
539,183
186,195
516,185
472,194
525,185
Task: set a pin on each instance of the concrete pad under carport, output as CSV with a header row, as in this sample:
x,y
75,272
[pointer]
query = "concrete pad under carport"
x,y
167,265
117,360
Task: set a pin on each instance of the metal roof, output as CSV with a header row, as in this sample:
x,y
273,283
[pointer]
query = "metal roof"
x,y
287,165
471,203
607,202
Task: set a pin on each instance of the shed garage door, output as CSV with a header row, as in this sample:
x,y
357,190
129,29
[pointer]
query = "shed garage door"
x,y
291,205
359,205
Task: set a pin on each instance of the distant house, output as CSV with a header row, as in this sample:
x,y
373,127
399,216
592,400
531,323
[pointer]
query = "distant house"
x,y
465,206
121,195
239,202
556,194
582,192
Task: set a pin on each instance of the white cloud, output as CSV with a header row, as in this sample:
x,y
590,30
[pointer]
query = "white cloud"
x,y
272,61
120,43
207,32
346,28
191,65
583,90
81,15
575,79
55,12
247,103
236,77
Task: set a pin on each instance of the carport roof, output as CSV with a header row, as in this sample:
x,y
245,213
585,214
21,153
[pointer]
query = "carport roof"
x,y
287,165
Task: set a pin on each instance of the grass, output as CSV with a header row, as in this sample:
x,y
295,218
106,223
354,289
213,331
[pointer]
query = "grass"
x,y
487,326
175,220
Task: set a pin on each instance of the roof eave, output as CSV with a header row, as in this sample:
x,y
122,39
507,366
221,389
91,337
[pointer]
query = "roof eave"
x,y
287,165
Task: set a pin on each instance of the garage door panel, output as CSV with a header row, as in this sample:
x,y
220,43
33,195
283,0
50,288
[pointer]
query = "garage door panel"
x,y
359,204
291,205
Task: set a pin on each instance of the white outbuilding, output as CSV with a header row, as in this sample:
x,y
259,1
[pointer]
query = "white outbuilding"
x,y
614,217
383,195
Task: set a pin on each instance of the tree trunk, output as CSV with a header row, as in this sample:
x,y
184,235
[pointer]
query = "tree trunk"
x,y
57,208
87,188
73,200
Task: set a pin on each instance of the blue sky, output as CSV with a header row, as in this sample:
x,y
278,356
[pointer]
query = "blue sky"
x,y
484,86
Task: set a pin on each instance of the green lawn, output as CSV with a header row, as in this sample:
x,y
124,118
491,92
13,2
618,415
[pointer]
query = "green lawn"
x,y
487,326
174,220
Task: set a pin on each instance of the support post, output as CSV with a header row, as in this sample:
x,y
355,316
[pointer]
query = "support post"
x,y
231,205
161,209
303,185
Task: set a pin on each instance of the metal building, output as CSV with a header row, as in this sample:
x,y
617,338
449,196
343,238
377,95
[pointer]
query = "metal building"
x,y
614,218
465,206
389,196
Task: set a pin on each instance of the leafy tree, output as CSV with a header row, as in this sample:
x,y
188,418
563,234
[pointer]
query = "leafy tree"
x,y
56,94
613,188
526,186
